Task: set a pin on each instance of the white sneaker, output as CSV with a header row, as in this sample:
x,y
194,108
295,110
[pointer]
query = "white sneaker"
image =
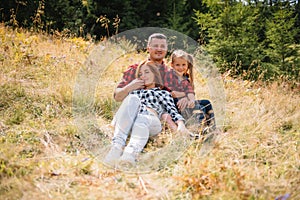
x,y
128,160
113,156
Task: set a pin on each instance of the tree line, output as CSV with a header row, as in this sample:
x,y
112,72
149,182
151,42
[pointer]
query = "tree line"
x,y
252,39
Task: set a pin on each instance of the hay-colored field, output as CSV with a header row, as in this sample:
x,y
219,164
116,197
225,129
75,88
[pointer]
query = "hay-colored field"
x,y
41,156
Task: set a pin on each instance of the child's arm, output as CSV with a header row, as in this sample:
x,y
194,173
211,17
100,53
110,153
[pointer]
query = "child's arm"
x,y
182,102
177,94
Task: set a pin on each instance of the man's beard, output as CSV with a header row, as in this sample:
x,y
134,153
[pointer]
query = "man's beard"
x,y
158,60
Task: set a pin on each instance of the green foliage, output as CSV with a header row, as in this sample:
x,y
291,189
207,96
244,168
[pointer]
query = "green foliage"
x,y
231,37
248,41
280,35
263,37
176,20
80,16
71,15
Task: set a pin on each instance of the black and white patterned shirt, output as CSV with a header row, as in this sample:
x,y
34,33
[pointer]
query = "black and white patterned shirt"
x,y
159,100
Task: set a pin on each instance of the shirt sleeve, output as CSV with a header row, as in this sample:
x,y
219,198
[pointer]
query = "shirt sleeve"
x,y
128,76
187,87
163,69
169,80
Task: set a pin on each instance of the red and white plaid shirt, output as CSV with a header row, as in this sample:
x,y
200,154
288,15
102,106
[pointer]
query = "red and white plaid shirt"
x,y
129,74
173,82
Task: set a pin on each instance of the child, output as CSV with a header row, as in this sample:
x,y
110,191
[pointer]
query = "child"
x,y
180,80
140,113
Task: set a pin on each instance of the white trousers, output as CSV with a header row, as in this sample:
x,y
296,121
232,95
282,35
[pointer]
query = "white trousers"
x,y
141,125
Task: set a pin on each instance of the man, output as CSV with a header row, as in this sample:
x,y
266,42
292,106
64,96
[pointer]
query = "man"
x,y
157,48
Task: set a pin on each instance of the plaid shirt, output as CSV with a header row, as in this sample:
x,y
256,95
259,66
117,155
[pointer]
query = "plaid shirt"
x,y
172,82
159,100
129,74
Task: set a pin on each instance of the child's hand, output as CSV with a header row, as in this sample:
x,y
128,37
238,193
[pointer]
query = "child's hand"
x,y
182,103
191,104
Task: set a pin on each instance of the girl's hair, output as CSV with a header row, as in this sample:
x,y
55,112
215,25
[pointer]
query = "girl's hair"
x,y
189,58
154,69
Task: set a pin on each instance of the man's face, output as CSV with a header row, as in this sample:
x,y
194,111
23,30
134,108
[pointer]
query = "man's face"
x,y
157,49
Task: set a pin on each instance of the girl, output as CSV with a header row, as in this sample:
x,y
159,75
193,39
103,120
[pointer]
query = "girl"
x,y
140,112
180,80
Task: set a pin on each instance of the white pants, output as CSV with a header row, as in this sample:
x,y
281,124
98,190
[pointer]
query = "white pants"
x,y
141,125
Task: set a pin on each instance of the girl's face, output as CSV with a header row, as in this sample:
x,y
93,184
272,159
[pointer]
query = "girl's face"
x,y
180,65
147,75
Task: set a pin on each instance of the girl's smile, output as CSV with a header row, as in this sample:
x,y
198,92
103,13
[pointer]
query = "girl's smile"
x,y
180,65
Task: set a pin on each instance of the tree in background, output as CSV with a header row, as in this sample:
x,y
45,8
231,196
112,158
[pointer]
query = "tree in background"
x,y
242,38
252,39
280,42
82,17
230,33
18,13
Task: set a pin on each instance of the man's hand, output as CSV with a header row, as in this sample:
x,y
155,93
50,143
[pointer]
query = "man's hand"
x,y
182,103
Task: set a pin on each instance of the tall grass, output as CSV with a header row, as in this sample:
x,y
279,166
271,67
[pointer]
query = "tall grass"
x,y
41,154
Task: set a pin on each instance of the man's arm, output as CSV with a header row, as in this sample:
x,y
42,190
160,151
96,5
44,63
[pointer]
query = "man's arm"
x,y
123,88
121,93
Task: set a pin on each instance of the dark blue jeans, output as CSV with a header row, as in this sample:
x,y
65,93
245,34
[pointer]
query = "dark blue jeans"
x,y
203,110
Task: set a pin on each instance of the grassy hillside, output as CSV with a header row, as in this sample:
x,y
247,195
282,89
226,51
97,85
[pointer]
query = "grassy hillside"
x,y
42,155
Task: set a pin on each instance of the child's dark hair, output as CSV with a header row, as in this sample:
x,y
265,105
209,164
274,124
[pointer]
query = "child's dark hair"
x,y
189,58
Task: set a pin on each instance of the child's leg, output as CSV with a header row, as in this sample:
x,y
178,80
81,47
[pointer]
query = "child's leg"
x,y
200,110
166,118
208,110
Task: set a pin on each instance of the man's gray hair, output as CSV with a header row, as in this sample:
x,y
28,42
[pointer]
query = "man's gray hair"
x,y
157,36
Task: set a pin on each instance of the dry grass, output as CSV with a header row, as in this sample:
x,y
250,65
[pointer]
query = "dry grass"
x,y
41,156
